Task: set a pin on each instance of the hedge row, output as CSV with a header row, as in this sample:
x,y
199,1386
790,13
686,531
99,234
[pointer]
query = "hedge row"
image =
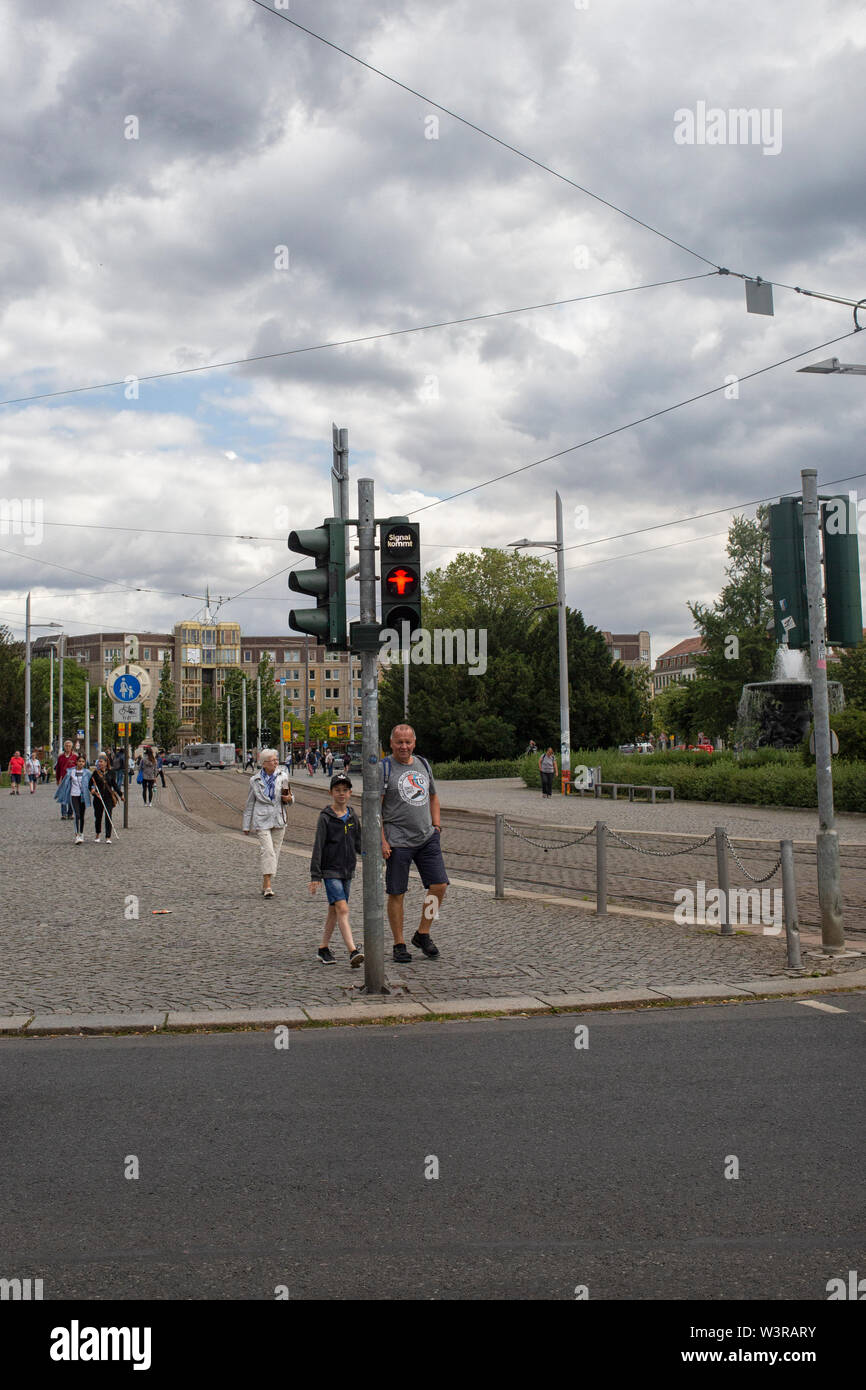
x,y
765,778
449,772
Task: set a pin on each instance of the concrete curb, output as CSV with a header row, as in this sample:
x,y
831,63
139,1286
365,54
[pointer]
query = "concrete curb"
x,y
377,1011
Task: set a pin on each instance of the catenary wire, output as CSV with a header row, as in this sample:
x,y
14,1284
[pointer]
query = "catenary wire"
x,y
530,159
353,342
631,424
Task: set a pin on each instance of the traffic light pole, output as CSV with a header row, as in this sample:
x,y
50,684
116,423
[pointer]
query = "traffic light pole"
x,y
564,720
827,840
371,802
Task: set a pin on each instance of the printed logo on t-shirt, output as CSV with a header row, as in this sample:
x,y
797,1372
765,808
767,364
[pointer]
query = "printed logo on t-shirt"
x,y
413,787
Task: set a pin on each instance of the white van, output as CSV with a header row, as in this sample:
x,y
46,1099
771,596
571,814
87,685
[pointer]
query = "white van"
x,y
208,755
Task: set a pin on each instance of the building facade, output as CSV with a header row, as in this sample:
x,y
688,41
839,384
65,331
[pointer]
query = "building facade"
x,y
631,648
677,664
202,653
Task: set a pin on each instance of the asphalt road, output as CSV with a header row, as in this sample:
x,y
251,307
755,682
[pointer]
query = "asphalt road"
x,y
558,1166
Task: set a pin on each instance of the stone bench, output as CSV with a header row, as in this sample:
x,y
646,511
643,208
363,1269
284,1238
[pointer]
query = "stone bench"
x,y
631,787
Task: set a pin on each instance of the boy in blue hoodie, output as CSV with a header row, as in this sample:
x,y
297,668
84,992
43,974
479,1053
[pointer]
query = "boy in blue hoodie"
x,y
335,854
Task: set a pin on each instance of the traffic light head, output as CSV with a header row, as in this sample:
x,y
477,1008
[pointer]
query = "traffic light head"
x,y
326,583
788,567
842,571
400,561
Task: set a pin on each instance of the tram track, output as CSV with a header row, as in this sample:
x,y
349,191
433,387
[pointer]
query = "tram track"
x,y
646,884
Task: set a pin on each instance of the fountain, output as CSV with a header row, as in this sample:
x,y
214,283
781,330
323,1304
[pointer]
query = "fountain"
x,y
777,713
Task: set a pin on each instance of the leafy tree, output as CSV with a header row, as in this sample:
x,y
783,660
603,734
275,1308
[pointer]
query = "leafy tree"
x,y
265,671
674,711
209,717
851,671
166,720
509,598
11,696
736,629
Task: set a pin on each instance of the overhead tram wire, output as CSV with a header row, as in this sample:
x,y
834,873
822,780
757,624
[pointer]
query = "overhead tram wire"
x,y
631,424
539,164
488,135
354,342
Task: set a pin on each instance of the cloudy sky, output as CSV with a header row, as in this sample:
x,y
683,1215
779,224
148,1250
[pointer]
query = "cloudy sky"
x,y
197,182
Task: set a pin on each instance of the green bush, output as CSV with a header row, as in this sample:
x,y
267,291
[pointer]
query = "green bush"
x,y
850,727
765,777
454,771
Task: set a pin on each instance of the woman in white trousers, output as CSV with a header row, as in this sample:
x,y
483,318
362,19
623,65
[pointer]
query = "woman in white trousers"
x,y
265,813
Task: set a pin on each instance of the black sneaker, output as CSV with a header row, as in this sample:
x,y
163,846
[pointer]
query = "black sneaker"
x,y
325,956
401,955
356,958
423,942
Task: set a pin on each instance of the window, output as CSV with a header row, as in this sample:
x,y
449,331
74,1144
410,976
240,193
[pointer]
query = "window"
x,y
616,652
248,656
296,694
146,654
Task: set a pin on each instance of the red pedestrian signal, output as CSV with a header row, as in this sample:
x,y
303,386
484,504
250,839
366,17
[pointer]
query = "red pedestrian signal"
x,y
400,548
401,583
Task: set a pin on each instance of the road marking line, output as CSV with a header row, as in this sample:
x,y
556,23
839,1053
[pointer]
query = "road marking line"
x,y
816,1004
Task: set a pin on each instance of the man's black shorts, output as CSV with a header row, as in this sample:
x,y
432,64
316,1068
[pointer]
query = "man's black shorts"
x,y
427,858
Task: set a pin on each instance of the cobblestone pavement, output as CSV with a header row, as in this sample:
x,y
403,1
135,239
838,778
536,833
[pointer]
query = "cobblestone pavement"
x,y
645,866
71,943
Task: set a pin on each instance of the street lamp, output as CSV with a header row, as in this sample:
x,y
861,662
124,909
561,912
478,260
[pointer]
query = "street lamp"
x,y
564,727
831,366
27,626
827,840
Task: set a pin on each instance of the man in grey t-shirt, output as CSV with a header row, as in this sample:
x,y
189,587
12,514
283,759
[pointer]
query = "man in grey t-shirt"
x,y
411,822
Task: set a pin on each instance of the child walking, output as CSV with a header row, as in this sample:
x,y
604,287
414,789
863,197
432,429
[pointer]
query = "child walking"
x,y
335,853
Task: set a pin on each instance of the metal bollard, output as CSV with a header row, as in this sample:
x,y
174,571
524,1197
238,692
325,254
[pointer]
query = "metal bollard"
x,y
789,897
499,857
724,885
600,869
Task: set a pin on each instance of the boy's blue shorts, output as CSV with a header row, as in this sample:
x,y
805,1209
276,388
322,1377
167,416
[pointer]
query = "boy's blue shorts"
x,y
337,889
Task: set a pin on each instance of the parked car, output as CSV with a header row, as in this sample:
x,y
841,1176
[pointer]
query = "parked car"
x,y
171,760
701,748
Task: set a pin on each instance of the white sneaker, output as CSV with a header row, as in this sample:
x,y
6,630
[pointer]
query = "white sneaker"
x,y
97,839
79,839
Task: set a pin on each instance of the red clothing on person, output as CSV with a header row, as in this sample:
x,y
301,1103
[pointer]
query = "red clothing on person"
x,y
16,766
64,762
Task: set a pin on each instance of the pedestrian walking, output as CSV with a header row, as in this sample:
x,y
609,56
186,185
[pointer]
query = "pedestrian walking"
x,y
311,762
411,830
265,814
335,854
16,770
74,792
32,771
147,775
347,760
160,766
531,750
117,763
104,798
46,768
548,769
66,760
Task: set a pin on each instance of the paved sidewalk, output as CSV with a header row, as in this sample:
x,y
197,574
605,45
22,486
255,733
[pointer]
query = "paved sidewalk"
x,y
509,794
73,945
